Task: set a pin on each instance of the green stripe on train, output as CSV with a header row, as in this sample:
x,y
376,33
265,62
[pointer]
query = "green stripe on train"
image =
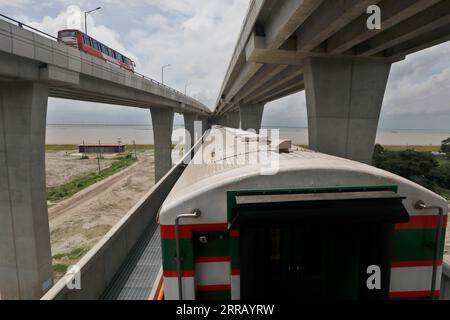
x,y
415,244
169,254
215,244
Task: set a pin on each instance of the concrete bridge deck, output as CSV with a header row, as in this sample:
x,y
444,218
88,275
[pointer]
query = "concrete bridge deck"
x,y
73,74
279,37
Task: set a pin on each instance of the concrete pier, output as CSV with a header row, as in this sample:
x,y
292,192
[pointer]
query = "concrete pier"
x,y
162,119
25,254
189,126
251,116
344,99
233,120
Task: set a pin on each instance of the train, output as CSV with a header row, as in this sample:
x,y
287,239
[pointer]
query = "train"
x,y
83,42
301,225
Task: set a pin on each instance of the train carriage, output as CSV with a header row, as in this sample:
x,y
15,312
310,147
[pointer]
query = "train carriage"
x,y
313,226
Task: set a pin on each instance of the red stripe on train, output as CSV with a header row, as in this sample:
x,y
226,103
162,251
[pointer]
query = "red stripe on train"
x,y
421,263
174,274
235,272
212,259
216,287
412,294
421,222
168,231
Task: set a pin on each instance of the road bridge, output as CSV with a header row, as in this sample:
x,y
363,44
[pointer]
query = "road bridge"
x,y
34,67
326,48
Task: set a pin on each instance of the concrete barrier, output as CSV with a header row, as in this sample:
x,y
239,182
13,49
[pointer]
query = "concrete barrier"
x,y
445,282
101,263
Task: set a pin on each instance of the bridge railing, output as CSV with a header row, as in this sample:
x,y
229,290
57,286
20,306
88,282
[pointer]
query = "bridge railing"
x,y
157,83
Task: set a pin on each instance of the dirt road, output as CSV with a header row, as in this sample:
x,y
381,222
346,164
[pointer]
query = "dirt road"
x,y
81,221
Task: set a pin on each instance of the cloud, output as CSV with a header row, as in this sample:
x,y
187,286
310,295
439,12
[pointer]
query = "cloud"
x,y
21,4
197,38
73,18
420,84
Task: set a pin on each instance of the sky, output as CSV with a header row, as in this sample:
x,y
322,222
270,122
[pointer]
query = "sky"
x,y
197,37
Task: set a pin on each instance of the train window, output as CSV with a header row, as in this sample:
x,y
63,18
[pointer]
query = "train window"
x,y
111,53
118,56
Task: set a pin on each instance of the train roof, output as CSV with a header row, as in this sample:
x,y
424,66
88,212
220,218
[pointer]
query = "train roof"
x,y
241,164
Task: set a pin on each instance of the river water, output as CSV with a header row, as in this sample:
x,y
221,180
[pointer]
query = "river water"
x,y
77,134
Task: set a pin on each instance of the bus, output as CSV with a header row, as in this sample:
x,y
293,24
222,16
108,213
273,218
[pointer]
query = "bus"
x,y
89,45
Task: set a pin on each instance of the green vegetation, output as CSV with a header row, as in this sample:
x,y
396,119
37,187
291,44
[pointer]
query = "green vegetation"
x,y
130,147
55,194
418,148
61,262
445,147
417,165
60,147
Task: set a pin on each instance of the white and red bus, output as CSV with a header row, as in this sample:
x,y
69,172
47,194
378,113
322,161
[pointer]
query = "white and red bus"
x,y
89,45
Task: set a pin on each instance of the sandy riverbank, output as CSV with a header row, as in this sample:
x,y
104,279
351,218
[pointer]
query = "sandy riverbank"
x,y
76,224
61,167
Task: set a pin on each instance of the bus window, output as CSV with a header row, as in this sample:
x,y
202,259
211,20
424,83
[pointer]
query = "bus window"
x,y
103,48
67,34
87,40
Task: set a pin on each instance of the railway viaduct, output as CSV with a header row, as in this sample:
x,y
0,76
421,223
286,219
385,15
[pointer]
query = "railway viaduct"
x,y
324,47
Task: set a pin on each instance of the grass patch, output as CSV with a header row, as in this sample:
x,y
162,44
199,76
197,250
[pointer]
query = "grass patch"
x,y
62,261
418,148
59,270
58,193
75,254
139,147
60,147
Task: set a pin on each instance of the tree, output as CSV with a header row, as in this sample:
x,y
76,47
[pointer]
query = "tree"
x,y
442,175
378,154
416,166
445,147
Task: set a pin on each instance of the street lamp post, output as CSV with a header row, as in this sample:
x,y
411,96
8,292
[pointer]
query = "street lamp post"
x,y
85,17
162,72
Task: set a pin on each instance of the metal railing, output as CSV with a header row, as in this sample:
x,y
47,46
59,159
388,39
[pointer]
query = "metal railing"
x,y
23,25
159,84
